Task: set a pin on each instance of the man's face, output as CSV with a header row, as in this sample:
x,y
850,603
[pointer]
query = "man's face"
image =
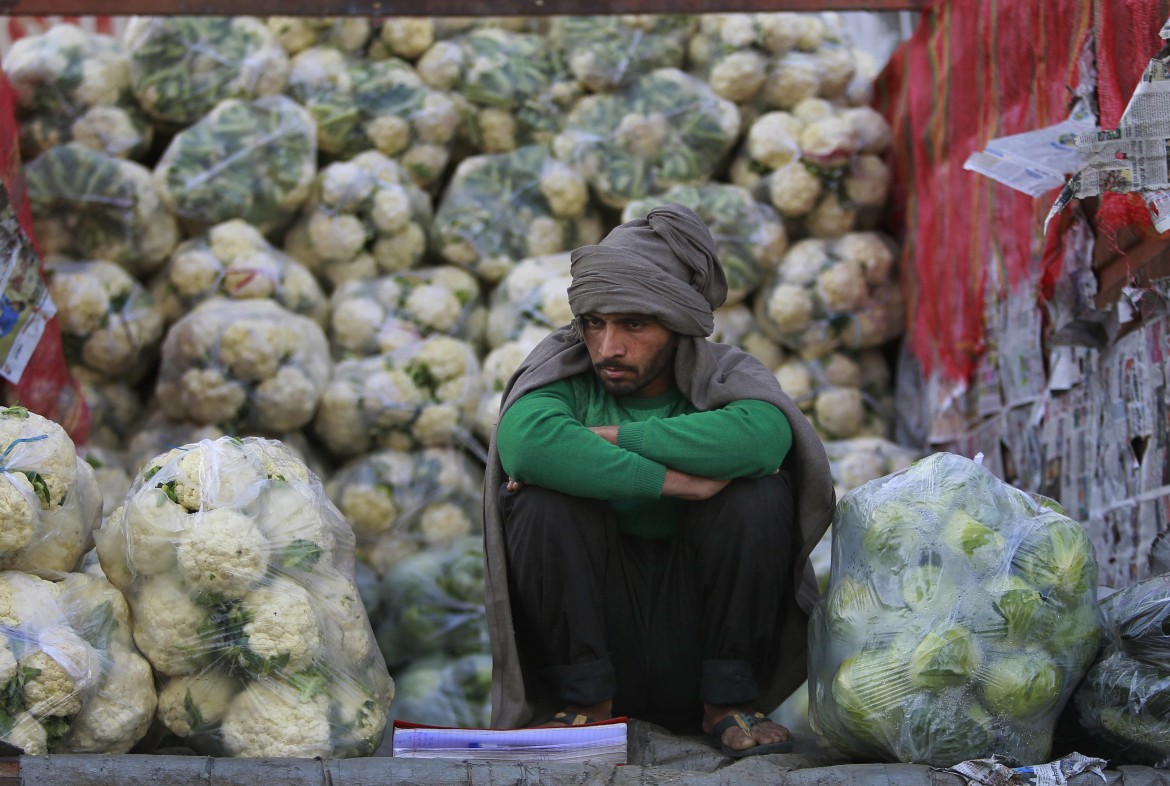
x,y
632,354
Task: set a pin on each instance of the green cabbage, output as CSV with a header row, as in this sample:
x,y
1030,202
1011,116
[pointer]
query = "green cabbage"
x,y
948,655
1055,555
1022,686
942,731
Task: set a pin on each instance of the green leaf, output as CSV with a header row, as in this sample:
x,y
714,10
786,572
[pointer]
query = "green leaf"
x,y
302,554
309,683
99,627
194,716
15,411
40,486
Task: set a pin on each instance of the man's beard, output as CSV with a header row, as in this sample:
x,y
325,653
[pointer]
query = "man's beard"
x,y
635,384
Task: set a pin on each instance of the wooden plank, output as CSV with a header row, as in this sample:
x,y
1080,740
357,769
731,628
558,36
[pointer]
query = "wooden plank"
x,y
1147,261
435,7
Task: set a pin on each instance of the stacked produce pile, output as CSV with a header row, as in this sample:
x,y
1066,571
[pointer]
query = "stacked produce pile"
x,y
346,234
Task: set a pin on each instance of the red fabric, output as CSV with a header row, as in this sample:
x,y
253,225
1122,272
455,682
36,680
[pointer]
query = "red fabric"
x,y
46,386
1127,37
973,70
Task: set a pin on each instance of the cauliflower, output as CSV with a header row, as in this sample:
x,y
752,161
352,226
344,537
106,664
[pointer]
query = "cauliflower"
x,y
49,500
224,553
193,704
62,670
119,714
271,718
361,714
667,128
534,294
796,379
773,139
114,409
606,53
297,33
735,325
421,498
407,37
396,311
365,218
282,629
110,324
868,181
362,104
234,260
792,77
88,205
548,211
72,85
839,413
181,67
248,364
250,160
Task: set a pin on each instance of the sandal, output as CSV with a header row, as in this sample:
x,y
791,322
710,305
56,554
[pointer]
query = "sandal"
x,y
745,721
572,719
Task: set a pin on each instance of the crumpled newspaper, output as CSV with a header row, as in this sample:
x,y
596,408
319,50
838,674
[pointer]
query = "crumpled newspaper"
x,y
1006,771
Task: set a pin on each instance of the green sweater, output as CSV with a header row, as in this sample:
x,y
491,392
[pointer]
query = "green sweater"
x,y
544,440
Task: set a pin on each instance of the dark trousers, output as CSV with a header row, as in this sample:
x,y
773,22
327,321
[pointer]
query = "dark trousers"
x,y
659,626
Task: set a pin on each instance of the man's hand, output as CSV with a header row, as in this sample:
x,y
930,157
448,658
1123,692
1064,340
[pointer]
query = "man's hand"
x,y
693,487
608,433
514,486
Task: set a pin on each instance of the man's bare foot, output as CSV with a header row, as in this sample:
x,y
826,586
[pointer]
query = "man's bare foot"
x,y
594,712
764,732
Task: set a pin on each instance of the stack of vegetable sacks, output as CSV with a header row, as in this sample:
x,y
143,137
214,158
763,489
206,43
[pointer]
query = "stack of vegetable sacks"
x,y
240,576
960,615
1124,701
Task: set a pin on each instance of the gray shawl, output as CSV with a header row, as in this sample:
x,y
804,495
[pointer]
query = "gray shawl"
x,y
647,266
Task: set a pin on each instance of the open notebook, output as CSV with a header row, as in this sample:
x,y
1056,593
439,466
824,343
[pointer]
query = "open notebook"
x,y
603,742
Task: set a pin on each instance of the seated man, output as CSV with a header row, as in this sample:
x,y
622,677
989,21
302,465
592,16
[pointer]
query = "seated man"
x,y
650,504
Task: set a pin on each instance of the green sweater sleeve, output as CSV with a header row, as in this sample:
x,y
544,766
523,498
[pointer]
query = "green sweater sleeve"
x,y
744,439
540,442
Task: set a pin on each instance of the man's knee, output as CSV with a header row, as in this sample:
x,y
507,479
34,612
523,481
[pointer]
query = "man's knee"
x,y
540,512
751,510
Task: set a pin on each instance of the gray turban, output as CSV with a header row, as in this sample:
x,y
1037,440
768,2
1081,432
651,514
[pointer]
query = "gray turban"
x,y
663,265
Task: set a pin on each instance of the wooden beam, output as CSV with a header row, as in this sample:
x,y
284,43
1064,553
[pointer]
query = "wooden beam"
x,y
435,7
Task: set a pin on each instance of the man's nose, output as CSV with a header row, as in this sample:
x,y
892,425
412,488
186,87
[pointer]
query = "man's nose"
x,y
611,343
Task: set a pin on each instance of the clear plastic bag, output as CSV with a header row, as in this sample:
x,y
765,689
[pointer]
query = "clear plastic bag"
x,y
959,617
111,325
233,260
423,395
845,394
606,52
240,576
393,312
531,301
73,85
400,503
243,365
89,205
749,237
73,681
443,691
833,294
432,603
365,218
181,67
666,129
382,105
50,503
500,209
251,160
1124,700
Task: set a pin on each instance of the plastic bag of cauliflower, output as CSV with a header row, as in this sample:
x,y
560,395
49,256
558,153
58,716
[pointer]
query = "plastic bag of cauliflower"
x,y
749,237
381,105
960,615
832,294
251,160
736,325
392,312
72,679
89,205
432,603
181,67
531,301
515,87
110,324
845,394
234,260
666,129
298,33
499,209
72,85
49,499
444,691
365,218
399,503
820,165
240,576
423,395
605,53
243,365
